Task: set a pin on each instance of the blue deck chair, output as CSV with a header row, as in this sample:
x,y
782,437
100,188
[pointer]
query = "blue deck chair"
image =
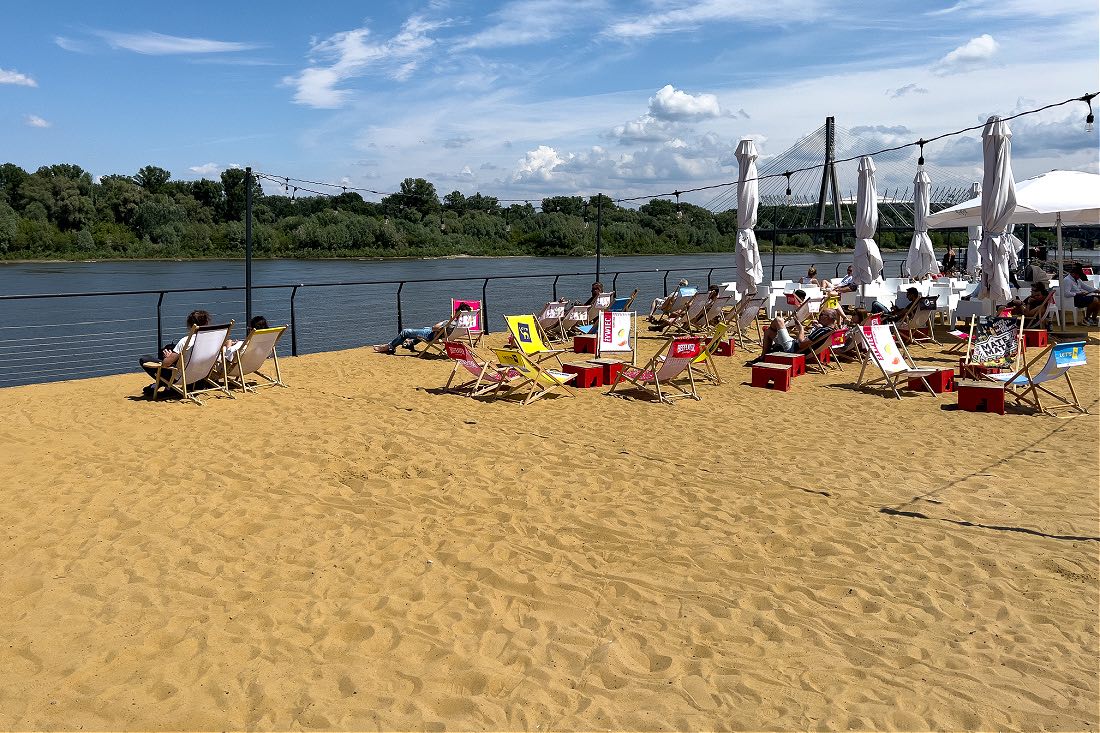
x,y
619,305
1025,386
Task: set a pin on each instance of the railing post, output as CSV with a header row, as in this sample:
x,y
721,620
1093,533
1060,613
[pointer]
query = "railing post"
x,y
485,306
400,320
614,280
708,277
837,270
666,283
160,331
781,268
775,243
293,322
556,287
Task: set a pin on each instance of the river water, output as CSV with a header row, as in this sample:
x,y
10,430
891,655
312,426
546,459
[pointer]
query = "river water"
x,y
67,338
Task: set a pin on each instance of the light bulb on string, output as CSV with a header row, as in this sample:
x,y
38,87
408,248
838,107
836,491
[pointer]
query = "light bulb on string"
x,y
1089,119
788,175
679,211
920,159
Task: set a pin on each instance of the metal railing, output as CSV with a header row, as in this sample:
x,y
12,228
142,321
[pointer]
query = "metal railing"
x,y
67,341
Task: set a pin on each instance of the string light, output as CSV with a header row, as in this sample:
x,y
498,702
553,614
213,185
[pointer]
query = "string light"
x,y
679,211
920,160
1087,99
788,175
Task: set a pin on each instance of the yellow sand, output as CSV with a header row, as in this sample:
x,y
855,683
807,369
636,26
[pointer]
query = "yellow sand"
x,y
361,551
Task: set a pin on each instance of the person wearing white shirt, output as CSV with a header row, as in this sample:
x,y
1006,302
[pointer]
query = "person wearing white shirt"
x,y
1075,285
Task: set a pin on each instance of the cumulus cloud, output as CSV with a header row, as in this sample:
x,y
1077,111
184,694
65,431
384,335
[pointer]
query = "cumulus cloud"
x,y
14,77
672,104
538,165
159,44
525,22
207,170
350,54
905,91
974,54
36,121
645,129
686,15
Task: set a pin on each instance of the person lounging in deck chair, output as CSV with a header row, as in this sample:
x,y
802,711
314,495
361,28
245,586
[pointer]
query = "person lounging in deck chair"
x,y
170,353
409,337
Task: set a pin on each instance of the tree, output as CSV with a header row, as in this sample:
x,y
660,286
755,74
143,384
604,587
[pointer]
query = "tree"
x,y
415,194
152,178
11,178
454,201
233,185
571,205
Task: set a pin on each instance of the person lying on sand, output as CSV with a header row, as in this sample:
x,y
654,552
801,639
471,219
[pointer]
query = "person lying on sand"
x,y
410,337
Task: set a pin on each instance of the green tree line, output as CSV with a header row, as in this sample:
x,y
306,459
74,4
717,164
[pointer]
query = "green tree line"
x,y
60,212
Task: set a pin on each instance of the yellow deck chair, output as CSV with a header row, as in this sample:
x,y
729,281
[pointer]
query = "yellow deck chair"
x,y
530,340
254,351
541,381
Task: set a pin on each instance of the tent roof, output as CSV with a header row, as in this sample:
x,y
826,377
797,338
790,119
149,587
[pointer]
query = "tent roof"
x,y
1039,199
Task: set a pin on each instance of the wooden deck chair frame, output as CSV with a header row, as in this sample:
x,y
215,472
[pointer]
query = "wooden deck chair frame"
x,y
528,373
433,345
704,365
891,380
535,346
486,377
632,338
176,378
1024,387
740,321
920,318
660,373
575,317
685,321
466,326
1020,348
813,355
550,323
673,308
236,374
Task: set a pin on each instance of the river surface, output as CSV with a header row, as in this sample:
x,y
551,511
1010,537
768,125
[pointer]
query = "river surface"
x,y
67,338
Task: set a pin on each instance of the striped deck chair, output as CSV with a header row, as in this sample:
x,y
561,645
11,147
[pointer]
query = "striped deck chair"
x,y
487,378
686,320
466,325
529,338
202,359
892,359
528,373
619,305
1024,386
744,319
715,311
550,319
805,310
703,365
247,359
576,318
815,353
659,375
674,305
916,326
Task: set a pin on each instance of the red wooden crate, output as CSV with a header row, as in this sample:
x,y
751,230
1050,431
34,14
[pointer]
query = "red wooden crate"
x,y
1035,338
772,376
609,369
584,344
981,397
588,375
942,380
797,362
725,348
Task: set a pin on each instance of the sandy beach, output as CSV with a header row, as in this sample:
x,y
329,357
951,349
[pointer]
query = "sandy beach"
x,y
361,551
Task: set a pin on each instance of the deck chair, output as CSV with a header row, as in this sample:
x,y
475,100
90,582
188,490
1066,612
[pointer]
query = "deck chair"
x,y
576,318
892,360
619,305
615,335
528,373
1025,386
715,311
743,319
202,359
253,353
816,351
550,319
674,304
474,330
686,320
919,318
658,376
703,365
995,341
805,310
433,345
487,378
529,339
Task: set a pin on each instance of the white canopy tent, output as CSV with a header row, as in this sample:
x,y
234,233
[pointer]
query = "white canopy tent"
x,y
1049,199
921,260
750,271
866,259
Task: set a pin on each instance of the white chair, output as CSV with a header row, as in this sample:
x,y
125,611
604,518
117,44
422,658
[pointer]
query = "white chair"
x,y
974,307
201,356
251,355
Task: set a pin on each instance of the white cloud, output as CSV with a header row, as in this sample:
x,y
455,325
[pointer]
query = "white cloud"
x,y
14,77
904,90
207,170
159,44
36,121
672,104
348,54
70,44
538,165
973,54
686,15
525,22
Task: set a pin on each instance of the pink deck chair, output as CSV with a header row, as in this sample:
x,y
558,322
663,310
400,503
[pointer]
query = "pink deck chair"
x,y
487,378
658,376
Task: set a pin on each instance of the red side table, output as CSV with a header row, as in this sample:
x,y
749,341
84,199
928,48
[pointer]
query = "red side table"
x,y
1035,338
942,380
609,369
588,375
772,376
797,362
981,397
975,371
584,344
725,348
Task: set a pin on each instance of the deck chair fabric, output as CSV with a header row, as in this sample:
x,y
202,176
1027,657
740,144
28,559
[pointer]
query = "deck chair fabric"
x,y
466,325
247,359
486,377
892,360
995,341
659,376
815,354
919,318
743,319
202,358
550,319
805,310
615,334
687,319
474,329
529,338
704,365
576,318
1027,386
433,345
619,305
539,381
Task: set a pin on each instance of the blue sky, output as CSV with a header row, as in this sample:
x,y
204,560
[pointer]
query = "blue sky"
x,y
532,97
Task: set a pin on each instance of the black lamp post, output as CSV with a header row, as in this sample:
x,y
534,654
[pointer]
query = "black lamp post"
x,y
599,227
